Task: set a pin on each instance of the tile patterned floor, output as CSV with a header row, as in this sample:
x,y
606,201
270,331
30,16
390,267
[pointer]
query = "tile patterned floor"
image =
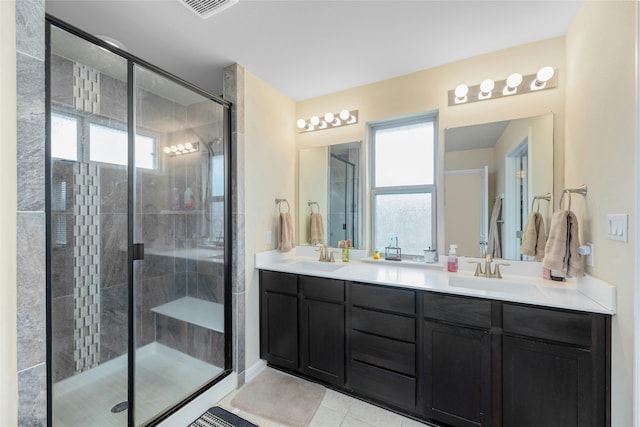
x,y
336,410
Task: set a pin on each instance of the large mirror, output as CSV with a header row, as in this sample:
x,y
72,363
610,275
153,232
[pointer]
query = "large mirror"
x,y
329,194
496,175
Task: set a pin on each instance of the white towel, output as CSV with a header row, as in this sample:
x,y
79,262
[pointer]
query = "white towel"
x,y
494,248
316,229
534,237
561,251
285,233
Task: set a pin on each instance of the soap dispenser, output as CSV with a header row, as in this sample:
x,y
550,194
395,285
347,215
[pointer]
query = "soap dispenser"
x,y
452,261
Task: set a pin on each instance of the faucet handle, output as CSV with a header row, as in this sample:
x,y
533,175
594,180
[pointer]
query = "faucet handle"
x,y
496,272
332,258
478,267
489,258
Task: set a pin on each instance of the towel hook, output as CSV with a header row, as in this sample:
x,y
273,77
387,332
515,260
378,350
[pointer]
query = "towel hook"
x,y
310,204
279,202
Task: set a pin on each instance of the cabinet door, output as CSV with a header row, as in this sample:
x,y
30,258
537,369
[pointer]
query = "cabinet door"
x,y
279,319
546,384
322,336
457,372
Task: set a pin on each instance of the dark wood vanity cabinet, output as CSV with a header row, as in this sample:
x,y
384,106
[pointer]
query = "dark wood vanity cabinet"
x,y
322,329
279,319
302,325
449,360
555,367
382,359
457,360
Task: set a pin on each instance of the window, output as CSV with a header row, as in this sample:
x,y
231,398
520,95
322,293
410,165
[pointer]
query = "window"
x,y
107,145
64,137
403,183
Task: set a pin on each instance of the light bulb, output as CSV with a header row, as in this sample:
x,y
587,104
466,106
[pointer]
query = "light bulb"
x,y
301,123
174,148
345,114
180,147
514,80
487,86
315,120
545,74
188,146
461,91
166,150
329,117
542,77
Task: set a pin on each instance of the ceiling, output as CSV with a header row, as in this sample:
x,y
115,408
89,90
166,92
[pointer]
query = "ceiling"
x,y
308,48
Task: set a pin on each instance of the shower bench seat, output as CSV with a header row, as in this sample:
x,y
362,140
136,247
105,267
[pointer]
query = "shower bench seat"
x,y
209,315
192,326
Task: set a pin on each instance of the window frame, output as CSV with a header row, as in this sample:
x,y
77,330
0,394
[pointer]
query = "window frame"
x,y
429,117
83,141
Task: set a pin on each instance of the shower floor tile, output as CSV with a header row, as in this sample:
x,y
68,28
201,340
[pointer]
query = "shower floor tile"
x,y
163,377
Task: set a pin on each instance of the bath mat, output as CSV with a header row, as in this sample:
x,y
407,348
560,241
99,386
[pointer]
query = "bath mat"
x,y
280,397
218,417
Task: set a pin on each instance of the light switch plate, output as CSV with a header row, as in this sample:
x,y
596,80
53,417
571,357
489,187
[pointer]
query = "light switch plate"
x,y
617,227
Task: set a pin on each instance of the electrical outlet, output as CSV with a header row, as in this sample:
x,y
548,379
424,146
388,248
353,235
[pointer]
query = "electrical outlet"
x,y
269,237
617,227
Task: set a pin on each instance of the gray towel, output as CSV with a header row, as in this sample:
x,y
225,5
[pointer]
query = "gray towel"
x,y
561,251
495,249
285,233
316,229
534,237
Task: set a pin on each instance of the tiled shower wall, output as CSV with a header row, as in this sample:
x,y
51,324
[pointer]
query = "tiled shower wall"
x,y
31,285
31,288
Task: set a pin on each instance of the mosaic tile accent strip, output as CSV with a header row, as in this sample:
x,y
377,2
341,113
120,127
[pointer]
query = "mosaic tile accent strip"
x,y
86,266
86,88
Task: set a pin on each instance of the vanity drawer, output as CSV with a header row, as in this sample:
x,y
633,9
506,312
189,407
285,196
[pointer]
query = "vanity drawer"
x,y
283,283
322,289
383,352
387,386
388,325
465,311
383,298
553,325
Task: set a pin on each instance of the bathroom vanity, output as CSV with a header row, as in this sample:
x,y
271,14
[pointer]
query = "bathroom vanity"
x,y
400,338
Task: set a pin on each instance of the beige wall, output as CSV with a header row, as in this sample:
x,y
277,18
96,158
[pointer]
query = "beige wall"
x,y
600,152
8,348
427,90
270,161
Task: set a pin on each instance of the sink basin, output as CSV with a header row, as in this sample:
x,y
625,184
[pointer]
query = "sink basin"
x,y
492,285
317,266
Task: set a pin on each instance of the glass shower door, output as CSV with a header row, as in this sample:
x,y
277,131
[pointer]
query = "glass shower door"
x,y
179,217
88,220
137,237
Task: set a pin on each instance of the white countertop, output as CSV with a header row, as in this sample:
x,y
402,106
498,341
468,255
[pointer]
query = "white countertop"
x,y
519,282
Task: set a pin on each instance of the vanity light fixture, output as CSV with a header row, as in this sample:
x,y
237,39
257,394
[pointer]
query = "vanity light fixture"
x,y
328,121
180,149
516,83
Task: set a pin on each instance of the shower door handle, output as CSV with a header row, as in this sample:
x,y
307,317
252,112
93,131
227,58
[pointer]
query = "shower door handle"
x,y
138,251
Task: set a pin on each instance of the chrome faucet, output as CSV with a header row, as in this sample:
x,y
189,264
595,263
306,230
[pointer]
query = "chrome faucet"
x,y
325,254
487,268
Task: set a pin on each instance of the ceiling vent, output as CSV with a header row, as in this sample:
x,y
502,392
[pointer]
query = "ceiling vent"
x,y
207,8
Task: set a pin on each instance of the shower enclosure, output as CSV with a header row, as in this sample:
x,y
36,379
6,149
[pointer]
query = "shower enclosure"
x,y
138,236
343,216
